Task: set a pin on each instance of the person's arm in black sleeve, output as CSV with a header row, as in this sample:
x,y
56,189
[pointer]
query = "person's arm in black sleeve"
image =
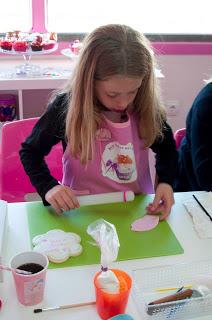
x,y
166,157
201,141
49,130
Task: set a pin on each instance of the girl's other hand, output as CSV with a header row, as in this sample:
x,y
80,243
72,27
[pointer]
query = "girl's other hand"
x,y
61,198
163,201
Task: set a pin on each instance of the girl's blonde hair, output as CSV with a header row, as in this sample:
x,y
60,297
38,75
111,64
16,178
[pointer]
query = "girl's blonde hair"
x,y
111,50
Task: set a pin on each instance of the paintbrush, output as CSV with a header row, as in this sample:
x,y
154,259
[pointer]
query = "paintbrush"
x,y
67,306
188,286
201,206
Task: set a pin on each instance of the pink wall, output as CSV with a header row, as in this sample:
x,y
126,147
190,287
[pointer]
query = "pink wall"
x,y
184,75
186,48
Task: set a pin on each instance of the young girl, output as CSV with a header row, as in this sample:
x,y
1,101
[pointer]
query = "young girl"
x,y
107,117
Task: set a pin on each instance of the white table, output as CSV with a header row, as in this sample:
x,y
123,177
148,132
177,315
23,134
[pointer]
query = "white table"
x,y
9,81
73,285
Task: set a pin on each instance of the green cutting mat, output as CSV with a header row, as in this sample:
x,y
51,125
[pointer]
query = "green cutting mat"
x,y
160,241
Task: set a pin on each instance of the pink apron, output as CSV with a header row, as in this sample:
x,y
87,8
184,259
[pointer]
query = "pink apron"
x,y
120,163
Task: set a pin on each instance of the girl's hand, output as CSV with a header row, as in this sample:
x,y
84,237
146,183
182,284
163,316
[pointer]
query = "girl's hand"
x,y
163,201
62,198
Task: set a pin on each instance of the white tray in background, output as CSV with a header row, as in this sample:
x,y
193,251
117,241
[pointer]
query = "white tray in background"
x,y
68,53
147,280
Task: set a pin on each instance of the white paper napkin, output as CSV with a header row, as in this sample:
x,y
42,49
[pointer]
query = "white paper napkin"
x,y
202,223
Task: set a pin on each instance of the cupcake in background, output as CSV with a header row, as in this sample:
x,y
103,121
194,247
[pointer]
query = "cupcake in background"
x,y
48,45
38,38
37,44
49,40
75,46
6,45
20,45
53,36
16,34
9,36
13,35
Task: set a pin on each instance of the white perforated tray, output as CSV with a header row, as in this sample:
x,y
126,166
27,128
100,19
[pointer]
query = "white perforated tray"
x,y
148,280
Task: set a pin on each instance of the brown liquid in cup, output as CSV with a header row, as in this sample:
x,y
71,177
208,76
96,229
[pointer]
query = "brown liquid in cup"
x,y
31,267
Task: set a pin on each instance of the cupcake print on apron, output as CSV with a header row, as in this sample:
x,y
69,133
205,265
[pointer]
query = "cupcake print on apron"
x,y
118,162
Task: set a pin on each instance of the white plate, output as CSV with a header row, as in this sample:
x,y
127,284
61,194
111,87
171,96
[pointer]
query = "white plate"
x,y
68,53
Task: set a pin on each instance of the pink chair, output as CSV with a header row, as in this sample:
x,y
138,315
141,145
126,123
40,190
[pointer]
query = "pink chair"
x,y
15,183
179,135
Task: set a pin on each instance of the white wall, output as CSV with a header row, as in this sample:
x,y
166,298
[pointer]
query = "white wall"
x,y
183,79
184,75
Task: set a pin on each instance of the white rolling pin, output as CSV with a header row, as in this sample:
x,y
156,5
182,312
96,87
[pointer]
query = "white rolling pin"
x,y
103,198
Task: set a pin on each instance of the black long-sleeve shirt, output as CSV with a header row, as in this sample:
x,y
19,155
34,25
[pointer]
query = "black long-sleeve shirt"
x,y
195,153
50,129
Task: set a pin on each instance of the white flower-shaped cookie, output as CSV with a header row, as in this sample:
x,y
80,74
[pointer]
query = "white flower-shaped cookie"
x,y
58,245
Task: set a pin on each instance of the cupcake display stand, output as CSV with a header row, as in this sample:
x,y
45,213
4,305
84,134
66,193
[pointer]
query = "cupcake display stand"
x,y
28,69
